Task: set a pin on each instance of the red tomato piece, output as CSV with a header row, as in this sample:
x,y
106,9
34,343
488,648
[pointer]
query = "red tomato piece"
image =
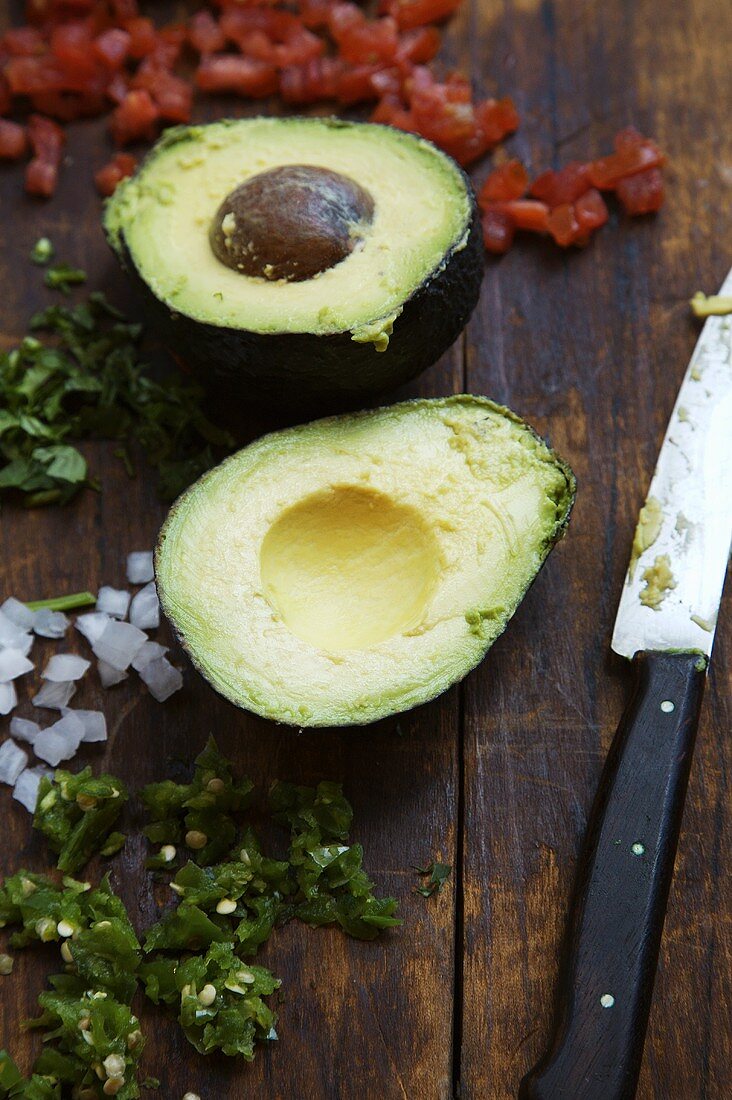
x,y
113,172
123,9
299,47
239,22
497,118
642,193
370,42
205,33
135,118
390,111
241,75
630,158
313,81
498,230
316,13
172,95
417,13
509,181
344,17
590,210
566,185
13,140
28,75
143,36
564,227
111,47
362,83
6,97
419,45
23,42
47,142
528,214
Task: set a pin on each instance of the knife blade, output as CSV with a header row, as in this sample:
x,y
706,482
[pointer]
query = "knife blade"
x,y
665,625
687,517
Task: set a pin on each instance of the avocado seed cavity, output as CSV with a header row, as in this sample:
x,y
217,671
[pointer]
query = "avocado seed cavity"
x,y
290,223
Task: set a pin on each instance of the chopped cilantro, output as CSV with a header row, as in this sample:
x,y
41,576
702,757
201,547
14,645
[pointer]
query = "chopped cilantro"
x,y
62,277
42,252
86,381
76,814
436,874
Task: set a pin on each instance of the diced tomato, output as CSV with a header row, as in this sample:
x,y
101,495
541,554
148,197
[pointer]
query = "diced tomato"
x,y
111,47
343,17
124,9
47,142
642,193
118,88
564,227
241,75
498,230
566,185
497,118
417,13
172,95
72,46
13,140
299,47
239,22
118,168
590,210
135,118
313,81
528,214
355,85
27,75
204,33
315,13
23,42
390,111
143,36
509,181
419,45
370,42
631,156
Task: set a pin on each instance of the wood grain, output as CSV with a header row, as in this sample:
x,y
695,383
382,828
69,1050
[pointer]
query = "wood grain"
x,y
496,777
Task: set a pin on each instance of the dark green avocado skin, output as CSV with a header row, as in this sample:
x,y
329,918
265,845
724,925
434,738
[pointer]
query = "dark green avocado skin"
x,y
323,372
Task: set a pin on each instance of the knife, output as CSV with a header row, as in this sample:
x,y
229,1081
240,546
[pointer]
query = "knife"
x,y
665,627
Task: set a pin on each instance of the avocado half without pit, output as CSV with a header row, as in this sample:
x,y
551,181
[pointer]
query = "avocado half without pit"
x,y
312,260
354,567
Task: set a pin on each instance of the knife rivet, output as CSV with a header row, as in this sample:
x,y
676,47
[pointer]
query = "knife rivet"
x,y
638,849
667,706
607,1000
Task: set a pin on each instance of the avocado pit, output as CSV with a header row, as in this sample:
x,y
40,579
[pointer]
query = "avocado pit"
x,y
291,223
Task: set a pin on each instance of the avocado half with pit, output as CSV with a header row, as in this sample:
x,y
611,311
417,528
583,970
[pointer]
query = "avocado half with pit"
x,y
300,258
354,567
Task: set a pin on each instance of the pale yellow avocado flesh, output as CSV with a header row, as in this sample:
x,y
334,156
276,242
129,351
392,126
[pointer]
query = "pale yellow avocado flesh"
x,y
422,212
351,568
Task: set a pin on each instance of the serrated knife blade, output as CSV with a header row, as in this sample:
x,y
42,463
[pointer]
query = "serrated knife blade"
x,y
673,587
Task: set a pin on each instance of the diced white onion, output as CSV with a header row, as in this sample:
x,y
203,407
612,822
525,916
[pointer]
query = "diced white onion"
x,y
27,784
119,643
10,633
59,741
50,624
24,729
8,697
140,567
94,722
13,760
92,625
150,651
13,664
54,696
18,613
108,675
162,679
114,601
65,666
145,608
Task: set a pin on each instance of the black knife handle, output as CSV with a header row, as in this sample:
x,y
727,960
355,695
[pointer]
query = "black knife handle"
x,y
622,888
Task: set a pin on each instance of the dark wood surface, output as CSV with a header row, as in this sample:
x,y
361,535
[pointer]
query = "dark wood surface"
x,y
497,776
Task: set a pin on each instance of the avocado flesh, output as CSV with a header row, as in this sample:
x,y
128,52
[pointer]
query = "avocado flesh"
x,y
162,217
354,567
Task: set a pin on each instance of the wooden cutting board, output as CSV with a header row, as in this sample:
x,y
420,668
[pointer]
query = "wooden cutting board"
x,y
497,776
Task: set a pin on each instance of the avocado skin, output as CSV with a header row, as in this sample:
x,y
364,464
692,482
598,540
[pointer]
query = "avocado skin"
x,y
555,535
323,372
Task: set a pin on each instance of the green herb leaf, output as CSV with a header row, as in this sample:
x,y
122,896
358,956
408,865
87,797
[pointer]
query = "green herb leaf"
x,y
437,875
86,382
